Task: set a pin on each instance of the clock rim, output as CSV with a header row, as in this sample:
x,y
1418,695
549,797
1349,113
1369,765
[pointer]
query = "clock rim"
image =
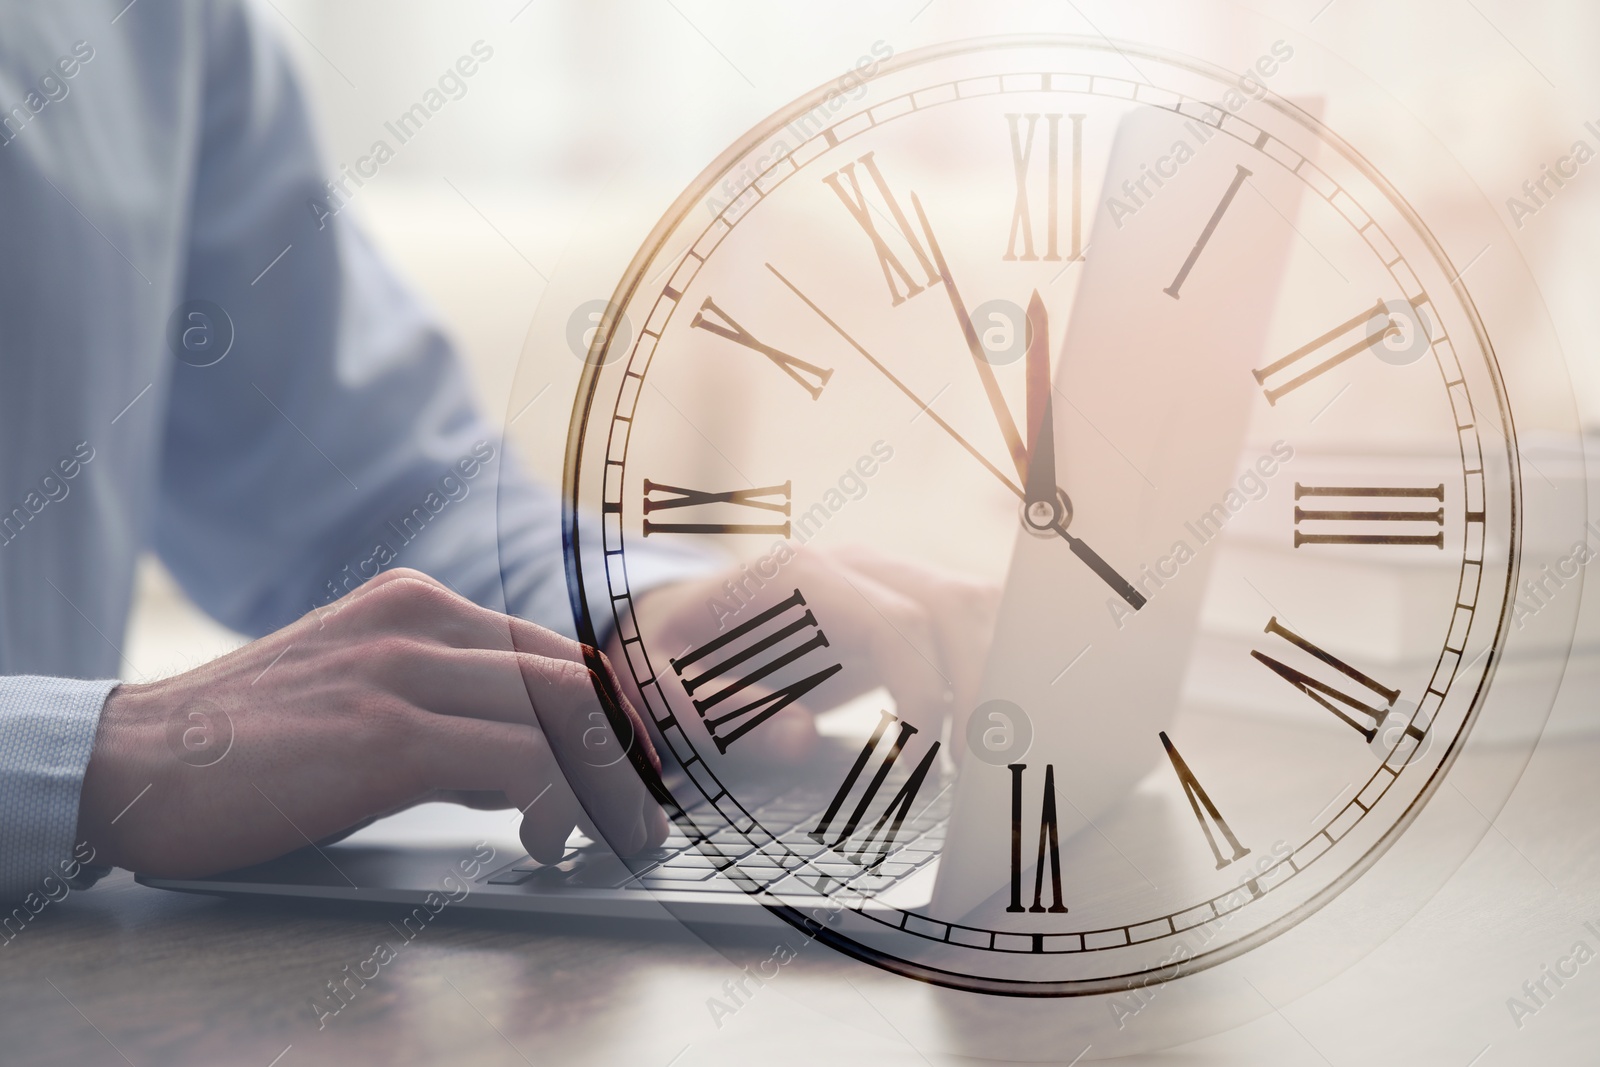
x,y
572,515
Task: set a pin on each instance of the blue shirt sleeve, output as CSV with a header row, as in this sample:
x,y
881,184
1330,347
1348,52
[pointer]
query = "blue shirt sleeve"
x,y
338,437
47,728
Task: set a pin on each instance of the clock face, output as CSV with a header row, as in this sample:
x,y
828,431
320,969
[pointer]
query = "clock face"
x,y
1164,361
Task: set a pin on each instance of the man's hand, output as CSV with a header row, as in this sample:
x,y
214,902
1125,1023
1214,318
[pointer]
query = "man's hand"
x,y
921,633
399,693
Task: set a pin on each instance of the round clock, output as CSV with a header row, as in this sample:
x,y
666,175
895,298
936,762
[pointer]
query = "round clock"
x,y
1180,375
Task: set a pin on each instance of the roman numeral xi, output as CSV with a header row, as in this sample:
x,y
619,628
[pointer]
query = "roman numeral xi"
x,y
886,245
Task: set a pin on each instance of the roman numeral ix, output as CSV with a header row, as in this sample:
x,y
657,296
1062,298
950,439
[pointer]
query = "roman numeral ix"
x,y
765,498
738,668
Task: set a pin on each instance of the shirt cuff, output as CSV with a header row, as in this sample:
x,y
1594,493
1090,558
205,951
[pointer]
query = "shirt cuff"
x,y
47,729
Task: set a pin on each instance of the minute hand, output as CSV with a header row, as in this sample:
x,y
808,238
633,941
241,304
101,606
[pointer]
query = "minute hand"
x,y
991,385
1089,556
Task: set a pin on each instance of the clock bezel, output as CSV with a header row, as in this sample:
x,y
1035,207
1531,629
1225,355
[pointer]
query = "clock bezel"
x,y
670,224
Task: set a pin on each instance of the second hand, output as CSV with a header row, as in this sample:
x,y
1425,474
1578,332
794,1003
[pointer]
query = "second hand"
x,y
898,384
1095,562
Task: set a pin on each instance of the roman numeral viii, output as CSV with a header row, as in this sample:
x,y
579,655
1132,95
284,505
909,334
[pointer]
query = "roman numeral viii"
x,y
765,498
1022,131
1047,833
1375,510
868,214
746,655
1326,694
899,805
808,376
1204,810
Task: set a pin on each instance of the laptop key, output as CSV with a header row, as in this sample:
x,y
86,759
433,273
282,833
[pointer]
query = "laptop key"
x,y
511,877
694,861
714,885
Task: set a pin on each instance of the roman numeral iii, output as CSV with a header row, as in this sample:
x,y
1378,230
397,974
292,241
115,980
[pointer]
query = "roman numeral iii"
x,y
1047,833
765,498
1204,810
867,215
1023,128
746,655
1326,694
899,805
1365,505
808,376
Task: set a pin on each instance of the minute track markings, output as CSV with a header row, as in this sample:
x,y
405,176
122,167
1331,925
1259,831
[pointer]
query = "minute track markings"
x,y
936,930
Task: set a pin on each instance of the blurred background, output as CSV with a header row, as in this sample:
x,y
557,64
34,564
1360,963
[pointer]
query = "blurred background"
x,y
480,208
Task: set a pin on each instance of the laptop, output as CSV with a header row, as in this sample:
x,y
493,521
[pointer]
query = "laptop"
x,y
473,860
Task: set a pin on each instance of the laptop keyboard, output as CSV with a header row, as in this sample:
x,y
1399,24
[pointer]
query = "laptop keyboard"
x,y
785,859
